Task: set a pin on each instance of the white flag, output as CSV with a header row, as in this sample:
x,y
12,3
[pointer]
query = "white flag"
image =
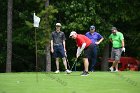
x,y
36,21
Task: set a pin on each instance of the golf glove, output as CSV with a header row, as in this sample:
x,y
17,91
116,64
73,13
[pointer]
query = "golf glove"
x,y
77,55
78,52
123,49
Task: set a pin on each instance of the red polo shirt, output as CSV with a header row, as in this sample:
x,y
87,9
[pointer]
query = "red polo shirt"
x,y
80,39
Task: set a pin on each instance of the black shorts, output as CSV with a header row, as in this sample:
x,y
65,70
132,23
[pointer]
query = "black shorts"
x,y
89,51
59,51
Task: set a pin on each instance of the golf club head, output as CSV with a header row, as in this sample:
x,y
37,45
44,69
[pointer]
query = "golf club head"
x,y
73,64
75,60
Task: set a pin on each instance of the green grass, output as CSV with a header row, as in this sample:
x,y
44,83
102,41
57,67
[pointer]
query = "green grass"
x,y
96,82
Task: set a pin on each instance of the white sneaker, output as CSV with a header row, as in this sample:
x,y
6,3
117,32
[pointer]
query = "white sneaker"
x,y
68,71
111,69
57,71
117,70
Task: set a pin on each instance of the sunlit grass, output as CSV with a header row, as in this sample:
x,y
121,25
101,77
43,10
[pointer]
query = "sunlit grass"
x,y
96,82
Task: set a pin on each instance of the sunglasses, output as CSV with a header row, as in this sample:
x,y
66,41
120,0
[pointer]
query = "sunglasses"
x,y
91,28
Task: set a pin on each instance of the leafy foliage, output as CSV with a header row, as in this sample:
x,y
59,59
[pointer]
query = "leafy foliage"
x,y
75,15
78,15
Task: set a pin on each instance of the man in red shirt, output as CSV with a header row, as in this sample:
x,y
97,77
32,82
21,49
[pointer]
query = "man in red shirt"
x,y
86,45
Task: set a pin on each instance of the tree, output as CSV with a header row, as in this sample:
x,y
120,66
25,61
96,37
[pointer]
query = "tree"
x,y
9,36
48,57
48,19
75,15
78,15
46,14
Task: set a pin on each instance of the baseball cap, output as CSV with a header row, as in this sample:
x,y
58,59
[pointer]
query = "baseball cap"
x,y
92,27
58,24
72,33
113,28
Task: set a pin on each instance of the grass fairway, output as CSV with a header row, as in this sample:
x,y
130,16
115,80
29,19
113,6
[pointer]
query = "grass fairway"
x,y
96,82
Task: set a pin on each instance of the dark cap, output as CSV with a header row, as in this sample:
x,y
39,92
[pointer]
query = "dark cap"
x,y
92,27
113,28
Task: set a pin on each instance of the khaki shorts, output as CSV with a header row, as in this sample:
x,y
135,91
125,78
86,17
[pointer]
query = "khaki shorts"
x,y
116,53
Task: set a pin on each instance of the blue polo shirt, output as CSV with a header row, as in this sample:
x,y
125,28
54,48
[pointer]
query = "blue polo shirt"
x,y
93,37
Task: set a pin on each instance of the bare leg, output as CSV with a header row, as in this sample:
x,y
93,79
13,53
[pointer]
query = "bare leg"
x,y
86,64
113,64
64,62
112,67
57,63
116,65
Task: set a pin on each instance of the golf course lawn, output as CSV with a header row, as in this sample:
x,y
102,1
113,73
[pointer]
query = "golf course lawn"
x,y
96,82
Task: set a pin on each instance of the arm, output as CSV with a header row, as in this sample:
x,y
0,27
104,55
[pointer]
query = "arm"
x,y
52,42
99,41
64,41
110,40
79,50
52,46
83,47
123,48
64,44
123,43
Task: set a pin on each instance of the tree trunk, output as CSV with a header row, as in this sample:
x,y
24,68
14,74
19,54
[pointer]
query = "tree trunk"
x,y
104,65
9,36
48,56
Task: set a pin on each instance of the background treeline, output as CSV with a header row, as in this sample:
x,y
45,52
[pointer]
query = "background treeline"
x,y
75,15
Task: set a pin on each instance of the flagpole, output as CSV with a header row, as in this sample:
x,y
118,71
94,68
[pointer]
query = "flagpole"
x,y
36,24
36,56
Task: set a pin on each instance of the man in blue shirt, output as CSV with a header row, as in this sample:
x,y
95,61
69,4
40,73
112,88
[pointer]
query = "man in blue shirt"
x,y
96,40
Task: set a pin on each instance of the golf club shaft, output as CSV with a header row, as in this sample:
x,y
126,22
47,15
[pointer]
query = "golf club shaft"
x,y
74,63
67,60
68,63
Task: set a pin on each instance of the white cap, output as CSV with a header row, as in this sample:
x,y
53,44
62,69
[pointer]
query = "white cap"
x,y
72,33
58,24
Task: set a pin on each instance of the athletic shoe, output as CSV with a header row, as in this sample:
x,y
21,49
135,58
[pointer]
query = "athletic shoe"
x,y
111,69
68,71
57,71
85,73
92,71
116,70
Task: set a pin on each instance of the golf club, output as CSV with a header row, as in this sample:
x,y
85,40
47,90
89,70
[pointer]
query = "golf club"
x,y
67,61
75,61
73,64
